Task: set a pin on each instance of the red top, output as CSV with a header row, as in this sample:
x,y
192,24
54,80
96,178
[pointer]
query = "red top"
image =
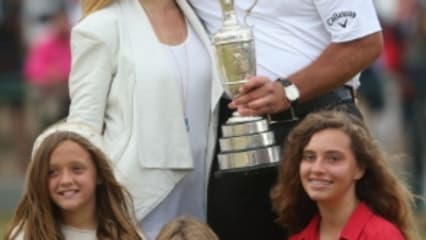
x,y
362,225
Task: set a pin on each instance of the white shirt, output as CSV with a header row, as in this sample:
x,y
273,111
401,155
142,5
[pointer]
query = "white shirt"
x,y
70,233
289,34
188,197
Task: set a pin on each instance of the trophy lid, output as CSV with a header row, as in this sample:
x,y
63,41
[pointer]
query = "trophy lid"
x,y
232,31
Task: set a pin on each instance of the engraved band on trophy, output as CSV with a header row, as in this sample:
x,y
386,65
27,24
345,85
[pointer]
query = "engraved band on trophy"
x,y
246,142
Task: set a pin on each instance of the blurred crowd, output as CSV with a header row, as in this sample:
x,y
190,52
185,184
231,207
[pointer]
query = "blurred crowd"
x,y
402,68
35,63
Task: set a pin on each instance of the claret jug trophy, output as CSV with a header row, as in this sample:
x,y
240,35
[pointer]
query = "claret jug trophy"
x,y
246,141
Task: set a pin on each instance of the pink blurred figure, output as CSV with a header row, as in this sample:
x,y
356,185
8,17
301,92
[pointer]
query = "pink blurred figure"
x,y
49,59
47,68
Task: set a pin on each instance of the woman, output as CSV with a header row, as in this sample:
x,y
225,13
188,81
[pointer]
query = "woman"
x,y
143,76
335,183
71,192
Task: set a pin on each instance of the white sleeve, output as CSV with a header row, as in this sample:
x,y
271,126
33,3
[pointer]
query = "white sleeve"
x,y
347,20
93,44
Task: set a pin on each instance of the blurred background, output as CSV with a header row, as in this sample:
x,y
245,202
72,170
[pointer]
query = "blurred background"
x,y
35,64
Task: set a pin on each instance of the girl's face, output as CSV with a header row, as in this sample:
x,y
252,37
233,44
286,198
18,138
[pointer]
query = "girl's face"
x,y
72,178
328,169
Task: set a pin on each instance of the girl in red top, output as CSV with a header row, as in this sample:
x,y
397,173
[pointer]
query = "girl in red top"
x,y
335,183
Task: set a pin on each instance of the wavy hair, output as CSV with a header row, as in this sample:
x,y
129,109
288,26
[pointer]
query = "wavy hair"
x,y
379,188
39,218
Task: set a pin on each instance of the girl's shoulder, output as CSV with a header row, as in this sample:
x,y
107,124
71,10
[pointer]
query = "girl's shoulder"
x,y
380,228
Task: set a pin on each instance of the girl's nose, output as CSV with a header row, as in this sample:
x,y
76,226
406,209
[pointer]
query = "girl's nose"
x,y
317,165
66,177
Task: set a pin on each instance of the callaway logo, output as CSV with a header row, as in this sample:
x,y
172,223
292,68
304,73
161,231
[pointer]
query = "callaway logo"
x,y
341,18
343,25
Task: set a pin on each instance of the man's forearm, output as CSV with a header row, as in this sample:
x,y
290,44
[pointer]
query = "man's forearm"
x,y
337,64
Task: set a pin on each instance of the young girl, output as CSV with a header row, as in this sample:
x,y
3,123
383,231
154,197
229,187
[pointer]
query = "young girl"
x,y
71,192
335,183
186,228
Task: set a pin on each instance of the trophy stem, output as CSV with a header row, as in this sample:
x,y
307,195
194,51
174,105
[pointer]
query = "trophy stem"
x,y
237,118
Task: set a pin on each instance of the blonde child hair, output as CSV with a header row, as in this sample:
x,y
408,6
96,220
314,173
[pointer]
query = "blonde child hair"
x,y
186,228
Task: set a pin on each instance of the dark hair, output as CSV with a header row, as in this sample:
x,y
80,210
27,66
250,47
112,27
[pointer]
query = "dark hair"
x,y
379,188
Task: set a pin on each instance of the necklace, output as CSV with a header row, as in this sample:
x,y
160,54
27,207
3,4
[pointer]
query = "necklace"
x,y
183,71
184,79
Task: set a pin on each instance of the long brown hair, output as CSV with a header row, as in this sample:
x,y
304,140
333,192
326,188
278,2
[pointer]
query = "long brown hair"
x,y
379,188
38,217
90,6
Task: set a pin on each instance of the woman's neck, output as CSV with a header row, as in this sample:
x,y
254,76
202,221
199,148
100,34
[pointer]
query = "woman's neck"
x,y
335,216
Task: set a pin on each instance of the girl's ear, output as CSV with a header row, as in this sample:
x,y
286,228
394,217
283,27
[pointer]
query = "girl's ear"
x,y
360,171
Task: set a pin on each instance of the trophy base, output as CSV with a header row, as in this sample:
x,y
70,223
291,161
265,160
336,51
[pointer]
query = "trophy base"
x,y
249,158
247,143
245,170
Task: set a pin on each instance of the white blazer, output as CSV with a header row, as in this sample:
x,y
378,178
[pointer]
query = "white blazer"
x,y
144,133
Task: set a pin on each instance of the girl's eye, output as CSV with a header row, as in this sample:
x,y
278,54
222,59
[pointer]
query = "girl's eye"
x,y
52,172
78,169
332,158
308,157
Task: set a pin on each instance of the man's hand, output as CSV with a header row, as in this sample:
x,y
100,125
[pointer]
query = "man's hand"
x,y
259,96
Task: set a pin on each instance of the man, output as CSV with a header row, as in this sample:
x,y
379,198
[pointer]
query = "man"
x,y
309,55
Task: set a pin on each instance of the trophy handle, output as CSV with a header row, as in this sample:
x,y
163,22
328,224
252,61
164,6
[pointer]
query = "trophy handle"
x,y
248,11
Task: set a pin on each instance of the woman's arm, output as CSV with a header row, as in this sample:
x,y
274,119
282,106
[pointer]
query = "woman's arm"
x,y
94,48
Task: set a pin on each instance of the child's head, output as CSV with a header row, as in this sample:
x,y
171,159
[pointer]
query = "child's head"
x,y
66,168
186,228
68,174
375,183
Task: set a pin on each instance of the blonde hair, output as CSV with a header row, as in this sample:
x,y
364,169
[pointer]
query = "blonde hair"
x,y
186,228
90,6
39,218
379,188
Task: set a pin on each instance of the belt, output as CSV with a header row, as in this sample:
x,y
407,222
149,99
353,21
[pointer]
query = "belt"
x,y
338,96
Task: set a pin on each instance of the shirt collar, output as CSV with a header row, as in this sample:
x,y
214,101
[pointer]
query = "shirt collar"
x,y
356,222
353,228
311,231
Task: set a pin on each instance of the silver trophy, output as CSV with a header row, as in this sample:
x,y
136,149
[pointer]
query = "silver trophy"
x,y
246,142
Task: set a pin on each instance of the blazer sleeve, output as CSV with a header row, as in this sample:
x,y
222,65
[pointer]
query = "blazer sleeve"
x,y
94,48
